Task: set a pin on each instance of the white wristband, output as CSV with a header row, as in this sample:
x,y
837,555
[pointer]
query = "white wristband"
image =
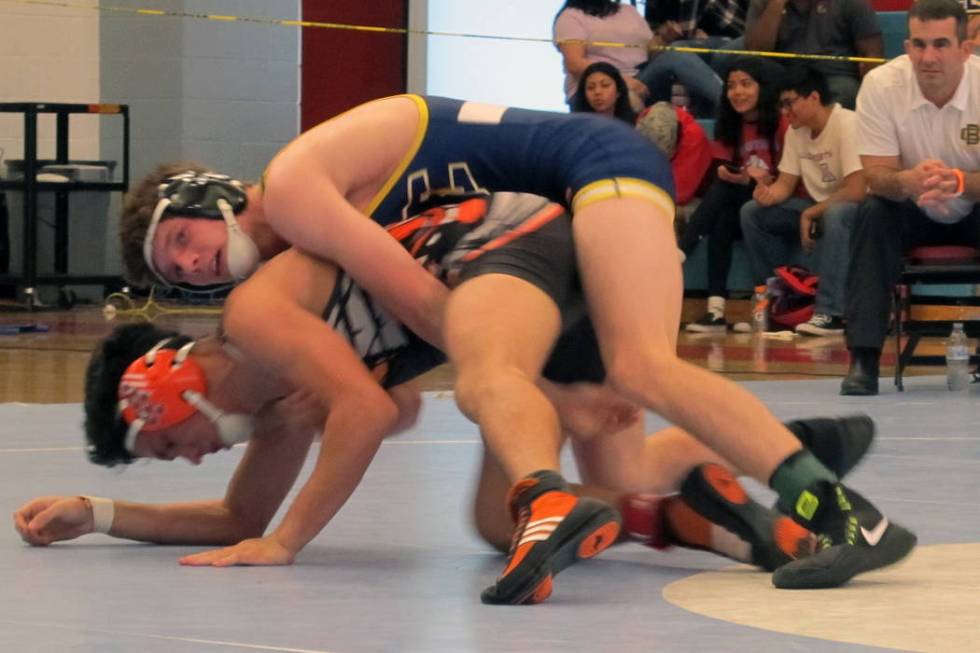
x,y
103,512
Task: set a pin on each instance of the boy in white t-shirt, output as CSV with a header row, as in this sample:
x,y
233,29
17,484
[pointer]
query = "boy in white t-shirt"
x,y
780,224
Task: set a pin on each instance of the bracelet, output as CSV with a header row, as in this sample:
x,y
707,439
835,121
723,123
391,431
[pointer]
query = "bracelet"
x,y
960,181
103,512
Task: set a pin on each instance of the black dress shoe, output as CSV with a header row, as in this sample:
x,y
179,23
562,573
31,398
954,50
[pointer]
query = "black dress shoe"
x,y
862,377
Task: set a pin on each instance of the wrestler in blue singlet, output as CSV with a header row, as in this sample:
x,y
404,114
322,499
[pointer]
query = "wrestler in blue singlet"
x,y
573,159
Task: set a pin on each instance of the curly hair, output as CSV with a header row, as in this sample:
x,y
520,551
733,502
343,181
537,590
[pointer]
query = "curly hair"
x,y
137,211
105,429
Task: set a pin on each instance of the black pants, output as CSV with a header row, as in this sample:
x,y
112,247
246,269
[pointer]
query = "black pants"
x,y
717,219
885,230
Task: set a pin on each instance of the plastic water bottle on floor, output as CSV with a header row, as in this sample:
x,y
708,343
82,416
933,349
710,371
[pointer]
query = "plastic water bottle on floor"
x,y
957,359
760,309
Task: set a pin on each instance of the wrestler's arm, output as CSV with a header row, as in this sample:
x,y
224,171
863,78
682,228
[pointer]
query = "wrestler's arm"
x,y
309,211
267,470
272,319
407,397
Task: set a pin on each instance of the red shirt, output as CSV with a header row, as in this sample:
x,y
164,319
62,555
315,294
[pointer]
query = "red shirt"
x,y
754,149
692,158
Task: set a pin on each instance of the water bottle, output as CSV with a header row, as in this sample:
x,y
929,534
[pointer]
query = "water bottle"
x,y
957,359
760,309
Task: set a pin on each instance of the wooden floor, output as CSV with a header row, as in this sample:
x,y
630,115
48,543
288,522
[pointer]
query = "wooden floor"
x,y
49,366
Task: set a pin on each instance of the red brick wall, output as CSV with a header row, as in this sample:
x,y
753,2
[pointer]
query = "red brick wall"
x,y
342,68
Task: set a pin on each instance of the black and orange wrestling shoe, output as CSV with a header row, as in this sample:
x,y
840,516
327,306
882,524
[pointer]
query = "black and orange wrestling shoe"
x,y
554,530
714,493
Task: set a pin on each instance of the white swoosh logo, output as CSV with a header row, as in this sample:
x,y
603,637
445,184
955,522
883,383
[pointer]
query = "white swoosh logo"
x,y
874,535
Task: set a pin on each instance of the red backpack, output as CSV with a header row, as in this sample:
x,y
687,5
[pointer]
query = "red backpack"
x,y
793,293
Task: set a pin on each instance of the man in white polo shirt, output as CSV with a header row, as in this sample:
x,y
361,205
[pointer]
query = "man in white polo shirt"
x,y
919,141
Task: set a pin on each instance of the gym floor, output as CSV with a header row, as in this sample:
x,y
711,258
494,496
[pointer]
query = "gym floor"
x,y
400,568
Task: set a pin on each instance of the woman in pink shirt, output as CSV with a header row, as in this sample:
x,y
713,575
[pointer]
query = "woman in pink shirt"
x,y
649,74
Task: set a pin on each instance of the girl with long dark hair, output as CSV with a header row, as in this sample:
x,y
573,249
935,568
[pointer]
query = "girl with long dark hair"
x,y
749,131
603,90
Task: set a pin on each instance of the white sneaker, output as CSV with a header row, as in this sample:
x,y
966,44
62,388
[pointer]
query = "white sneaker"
x,y
822,325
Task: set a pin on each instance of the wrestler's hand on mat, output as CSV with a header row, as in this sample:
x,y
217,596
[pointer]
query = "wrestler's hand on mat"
x,y
588,410
260,551
44,520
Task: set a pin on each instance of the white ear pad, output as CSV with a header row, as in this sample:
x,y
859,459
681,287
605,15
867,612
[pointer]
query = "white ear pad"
x,y
232,427
243,254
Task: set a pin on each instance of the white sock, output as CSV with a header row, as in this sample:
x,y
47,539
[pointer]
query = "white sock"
x,y
716,306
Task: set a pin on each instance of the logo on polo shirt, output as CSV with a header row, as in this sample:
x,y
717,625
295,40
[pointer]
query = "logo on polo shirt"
x,y
971,134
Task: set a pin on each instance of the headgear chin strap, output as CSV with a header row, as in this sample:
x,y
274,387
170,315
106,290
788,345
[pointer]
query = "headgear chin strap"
x,y
205,195
164,387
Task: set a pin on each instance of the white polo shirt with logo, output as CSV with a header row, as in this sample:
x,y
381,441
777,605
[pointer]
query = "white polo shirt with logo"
x,y
894,119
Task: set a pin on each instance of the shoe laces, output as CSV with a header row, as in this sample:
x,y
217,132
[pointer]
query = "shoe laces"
x,y
523,516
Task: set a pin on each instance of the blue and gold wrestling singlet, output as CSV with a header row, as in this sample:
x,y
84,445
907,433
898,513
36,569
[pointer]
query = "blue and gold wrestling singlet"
x,y
573,159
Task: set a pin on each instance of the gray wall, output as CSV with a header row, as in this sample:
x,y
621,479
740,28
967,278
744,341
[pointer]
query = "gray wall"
x,y
224,94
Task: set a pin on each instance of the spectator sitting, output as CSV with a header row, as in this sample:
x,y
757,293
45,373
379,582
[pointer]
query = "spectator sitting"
x,y
821,150
649,75
601,89
714,24
828,27
919,142
682,139
749,134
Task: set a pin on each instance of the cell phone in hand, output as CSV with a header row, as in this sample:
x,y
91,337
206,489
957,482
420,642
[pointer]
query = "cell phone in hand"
x,y
733,168
816,228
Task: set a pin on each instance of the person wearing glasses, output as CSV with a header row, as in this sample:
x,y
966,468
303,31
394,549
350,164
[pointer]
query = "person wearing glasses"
x,y
779,225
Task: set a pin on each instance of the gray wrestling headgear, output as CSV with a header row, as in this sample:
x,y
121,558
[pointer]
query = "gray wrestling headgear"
x,y
206,195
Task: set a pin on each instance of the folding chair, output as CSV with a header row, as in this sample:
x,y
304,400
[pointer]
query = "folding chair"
x,y
934,265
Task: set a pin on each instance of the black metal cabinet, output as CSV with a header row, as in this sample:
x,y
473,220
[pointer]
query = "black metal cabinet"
x,y
29,279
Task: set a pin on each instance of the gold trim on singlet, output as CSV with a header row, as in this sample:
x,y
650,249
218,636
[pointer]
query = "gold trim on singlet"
x,y
622,187
416,143
420,131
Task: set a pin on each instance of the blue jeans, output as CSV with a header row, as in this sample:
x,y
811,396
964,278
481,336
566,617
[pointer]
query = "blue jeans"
x,y
685,68
772,238
844,89
718,62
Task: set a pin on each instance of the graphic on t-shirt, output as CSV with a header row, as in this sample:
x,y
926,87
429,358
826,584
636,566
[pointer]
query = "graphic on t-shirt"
x,y
822,161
